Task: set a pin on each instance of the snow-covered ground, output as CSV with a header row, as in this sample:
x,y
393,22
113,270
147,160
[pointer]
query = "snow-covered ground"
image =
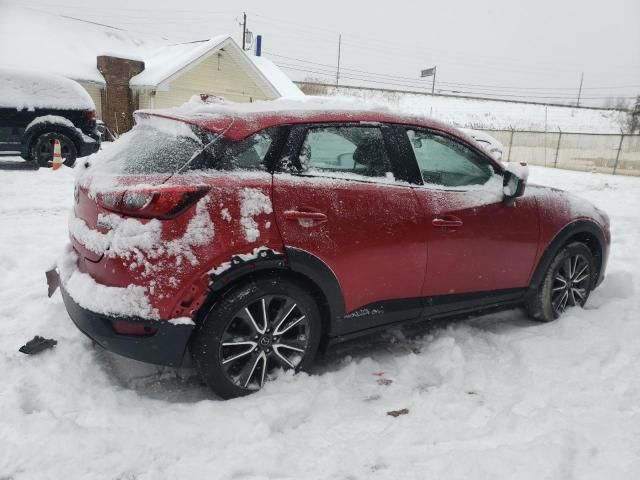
x,y
494,114
497,397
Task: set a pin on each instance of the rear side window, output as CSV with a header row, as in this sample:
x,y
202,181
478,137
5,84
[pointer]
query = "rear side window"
x,y
248,154
354,150
446,162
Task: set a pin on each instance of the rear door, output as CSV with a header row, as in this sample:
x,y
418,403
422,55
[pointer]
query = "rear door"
x,y
476,242
341,201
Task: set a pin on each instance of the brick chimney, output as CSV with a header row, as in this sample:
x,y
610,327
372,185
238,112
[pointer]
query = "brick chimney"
x,y
118,100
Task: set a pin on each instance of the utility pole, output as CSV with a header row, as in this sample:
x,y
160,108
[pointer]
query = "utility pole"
x,y
244,29
338,70
580,89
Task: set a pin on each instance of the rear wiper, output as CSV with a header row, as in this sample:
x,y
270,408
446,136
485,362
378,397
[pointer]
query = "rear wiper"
x,y
199,153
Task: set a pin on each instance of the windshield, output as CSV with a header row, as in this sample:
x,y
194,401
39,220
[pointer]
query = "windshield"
x,y
155,145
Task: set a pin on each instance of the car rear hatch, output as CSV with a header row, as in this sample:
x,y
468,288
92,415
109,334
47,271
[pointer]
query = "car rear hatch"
x,y
135,173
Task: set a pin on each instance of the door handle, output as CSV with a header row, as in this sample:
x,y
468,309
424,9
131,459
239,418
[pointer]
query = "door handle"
x,y
448,221
315,217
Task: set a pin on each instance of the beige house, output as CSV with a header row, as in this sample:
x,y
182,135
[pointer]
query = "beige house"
x,y
123,72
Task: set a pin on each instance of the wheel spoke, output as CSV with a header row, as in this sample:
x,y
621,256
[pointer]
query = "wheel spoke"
x,y
251,346
577,274
259,357
253,322
277,331
560,278
558,303
580,278
567,267
563,302
290,326
581,292
290,347
281,357
265,320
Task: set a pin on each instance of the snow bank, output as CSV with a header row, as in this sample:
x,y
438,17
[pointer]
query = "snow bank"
x,y
492,114
26,89
499,397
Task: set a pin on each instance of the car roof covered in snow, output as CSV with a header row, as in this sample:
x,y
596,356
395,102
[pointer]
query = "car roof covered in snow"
x,y
29,89
239,120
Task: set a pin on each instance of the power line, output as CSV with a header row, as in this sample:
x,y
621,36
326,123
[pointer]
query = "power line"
x,y
419,83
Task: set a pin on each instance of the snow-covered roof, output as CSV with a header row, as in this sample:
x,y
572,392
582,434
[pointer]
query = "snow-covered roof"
x,y
64,45
69,47
276,77
33,89
166,61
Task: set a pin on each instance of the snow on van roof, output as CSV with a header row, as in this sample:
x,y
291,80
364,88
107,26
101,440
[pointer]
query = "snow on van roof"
x,y
28,89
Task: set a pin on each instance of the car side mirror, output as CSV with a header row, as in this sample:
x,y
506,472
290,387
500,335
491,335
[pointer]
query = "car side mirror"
x,y
515,180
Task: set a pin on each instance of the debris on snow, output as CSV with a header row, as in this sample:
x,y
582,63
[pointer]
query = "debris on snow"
x,y
37,344
397,413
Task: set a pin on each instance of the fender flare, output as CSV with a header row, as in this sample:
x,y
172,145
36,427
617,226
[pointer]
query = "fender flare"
x,y
570,230
294,260
316,270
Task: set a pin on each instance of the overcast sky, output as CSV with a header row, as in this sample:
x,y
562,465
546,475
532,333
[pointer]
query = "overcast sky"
x,y
503,46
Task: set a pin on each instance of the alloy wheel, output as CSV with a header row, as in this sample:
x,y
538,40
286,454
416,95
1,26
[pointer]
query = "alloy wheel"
x,y
571,283
269,333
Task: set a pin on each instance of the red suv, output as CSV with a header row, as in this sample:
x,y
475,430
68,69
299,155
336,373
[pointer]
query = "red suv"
x,y
252,239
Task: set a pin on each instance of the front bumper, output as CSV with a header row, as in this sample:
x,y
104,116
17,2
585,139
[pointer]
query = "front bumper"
x,y
167,346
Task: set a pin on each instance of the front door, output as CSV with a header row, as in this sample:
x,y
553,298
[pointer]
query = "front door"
x,y
476,242
341,202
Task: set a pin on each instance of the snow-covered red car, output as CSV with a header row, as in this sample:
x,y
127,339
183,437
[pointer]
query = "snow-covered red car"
x,y
253,237
38,108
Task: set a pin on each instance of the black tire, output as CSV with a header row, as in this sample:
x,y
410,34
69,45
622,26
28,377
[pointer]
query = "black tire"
x,y
567,282
42,149
235,352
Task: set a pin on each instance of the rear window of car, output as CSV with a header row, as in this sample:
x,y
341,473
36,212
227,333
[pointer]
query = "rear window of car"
x,y
165,146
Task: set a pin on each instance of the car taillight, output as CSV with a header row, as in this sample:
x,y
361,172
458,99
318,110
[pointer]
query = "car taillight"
x,y
90,115
150,203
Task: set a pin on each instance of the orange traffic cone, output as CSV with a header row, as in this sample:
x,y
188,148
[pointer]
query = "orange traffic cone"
x,y
57,155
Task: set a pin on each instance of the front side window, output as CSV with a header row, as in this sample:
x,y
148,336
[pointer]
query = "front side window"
x,y
446,162
345,151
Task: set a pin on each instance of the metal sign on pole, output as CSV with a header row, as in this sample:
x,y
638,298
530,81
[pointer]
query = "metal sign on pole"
x,y
430,72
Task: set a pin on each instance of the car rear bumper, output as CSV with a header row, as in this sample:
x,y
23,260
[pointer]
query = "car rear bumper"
x,y
166,346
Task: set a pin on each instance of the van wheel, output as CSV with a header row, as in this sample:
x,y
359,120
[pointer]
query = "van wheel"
x,y
567,283
252,332
42,149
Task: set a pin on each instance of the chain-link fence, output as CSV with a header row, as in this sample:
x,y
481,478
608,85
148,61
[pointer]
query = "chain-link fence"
x,y
606,153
